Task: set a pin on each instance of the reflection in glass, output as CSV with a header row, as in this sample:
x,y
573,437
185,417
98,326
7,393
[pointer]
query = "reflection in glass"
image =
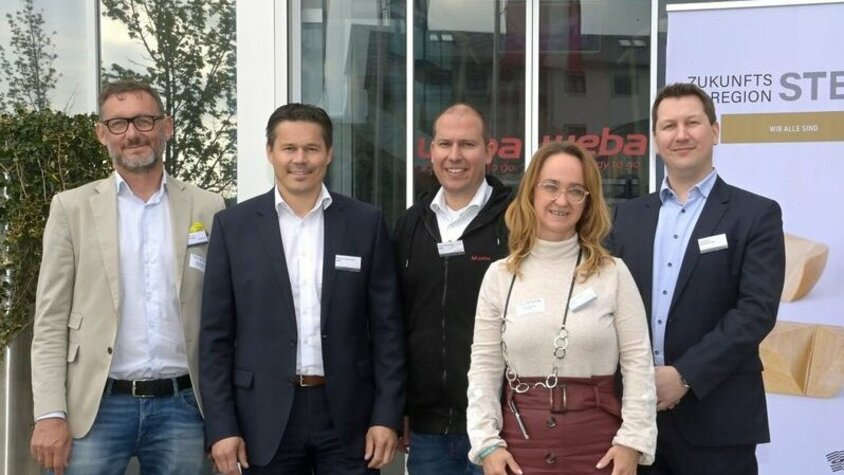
x,y
353,65
594,84
471,51
58,36
187,52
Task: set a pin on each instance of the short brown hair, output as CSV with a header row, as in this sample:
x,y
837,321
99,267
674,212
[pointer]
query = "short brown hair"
x,y
127,85
682,89
594,224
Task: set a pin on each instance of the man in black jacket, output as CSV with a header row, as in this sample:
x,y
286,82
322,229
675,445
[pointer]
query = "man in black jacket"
x,y
444,243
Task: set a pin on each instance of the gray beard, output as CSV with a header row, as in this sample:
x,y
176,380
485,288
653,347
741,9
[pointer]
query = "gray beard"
x,y
135,166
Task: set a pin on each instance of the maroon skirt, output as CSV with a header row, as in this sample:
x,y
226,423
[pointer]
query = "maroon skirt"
x,y
569,428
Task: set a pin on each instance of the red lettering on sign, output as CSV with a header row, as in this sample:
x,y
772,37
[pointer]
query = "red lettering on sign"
x,y
607,144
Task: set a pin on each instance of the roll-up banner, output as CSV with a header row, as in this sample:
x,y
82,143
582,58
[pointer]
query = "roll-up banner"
x,y
775,71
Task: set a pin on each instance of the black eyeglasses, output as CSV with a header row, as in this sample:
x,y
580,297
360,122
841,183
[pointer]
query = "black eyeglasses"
x,y
143,123
575,194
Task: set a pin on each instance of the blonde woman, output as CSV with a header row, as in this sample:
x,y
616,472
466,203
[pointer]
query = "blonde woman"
x,y
555,319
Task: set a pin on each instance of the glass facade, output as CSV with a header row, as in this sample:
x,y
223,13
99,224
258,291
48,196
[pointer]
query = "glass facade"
x,y
39,35
349,60
594,66
590,62
470,51
187,52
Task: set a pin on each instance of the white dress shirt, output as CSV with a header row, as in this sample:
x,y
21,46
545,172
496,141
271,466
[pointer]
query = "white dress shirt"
x,y
453,223
303,243
150,338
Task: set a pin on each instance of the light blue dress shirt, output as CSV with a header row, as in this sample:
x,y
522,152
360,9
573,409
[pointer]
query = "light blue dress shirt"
x,y
673,230
150,337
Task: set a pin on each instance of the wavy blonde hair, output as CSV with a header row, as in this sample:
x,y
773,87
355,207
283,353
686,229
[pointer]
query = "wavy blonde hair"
x,y
592,228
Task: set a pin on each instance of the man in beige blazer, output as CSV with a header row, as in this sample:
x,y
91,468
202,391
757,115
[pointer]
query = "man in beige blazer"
x,y
114,353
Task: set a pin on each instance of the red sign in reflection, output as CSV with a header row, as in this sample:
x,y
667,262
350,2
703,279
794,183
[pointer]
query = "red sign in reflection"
x,y
606,144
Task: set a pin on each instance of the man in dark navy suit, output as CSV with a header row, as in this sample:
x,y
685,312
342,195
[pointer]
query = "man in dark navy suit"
x,y
301,343
709,260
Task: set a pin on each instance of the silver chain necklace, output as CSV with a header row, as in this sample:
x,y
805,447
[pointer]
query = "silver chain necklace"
x,y
561,342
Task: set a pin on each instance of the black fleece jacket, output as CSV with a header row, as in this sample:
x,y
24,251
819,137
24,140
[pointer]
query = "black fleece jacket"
x,y
439,296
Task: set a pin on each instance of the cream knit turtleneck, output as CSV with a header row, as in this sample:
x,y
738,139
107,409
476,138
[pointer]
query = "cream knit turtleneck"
x,y
604,332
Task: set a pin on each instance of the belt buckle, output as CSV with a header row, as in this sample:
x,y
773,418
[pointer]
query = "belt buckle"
x,y
135,390
302,382
558,399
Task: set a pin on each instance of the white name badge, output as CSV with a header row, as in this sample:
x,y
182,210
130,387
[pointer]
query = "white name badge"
x,y
450,248
198,237
197,262
534,305
351,263
580,300
712,243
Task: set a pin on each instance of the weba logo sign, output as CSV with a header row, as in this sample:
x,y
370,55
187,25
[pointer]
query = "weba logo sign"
x,y
606,144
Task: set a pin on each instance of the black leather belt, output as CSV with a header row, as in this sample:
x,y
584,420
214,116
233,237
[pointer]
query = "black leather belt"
x,y
151,387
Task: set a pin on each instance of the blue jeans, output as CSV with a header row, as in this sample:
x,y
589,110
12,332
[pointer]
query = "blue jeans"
x,y
164,433
441,454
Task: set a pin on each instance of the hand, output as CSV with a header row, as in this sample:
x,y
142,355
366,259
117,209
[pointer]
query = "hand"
x,y
404,440
227,453
669,387
51,443
624,460
381,445
499,461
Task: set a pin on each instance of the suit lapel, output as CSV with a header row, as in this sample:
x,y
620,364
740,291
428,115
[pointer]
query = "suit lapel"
x,y
104,210
713,210
180,212
334,230
646,252
270,236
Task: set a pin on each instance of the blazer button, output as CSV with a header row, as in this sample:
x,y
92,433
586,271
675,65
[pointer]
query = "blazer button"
x,y
324,337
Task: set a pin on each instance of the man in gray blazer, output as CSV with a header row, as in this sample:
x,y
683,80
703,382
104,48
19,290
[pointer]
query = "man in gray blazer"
x,y
114,353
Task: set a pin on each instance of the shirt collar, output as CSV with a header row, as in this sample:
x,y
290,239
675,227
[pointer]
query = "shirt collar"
x,y
480,198
121,186
703,187
323,200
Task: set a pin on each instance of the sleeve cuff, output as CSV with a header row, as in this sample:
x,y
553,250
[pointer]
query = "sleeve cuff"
x,y
54,414
483,453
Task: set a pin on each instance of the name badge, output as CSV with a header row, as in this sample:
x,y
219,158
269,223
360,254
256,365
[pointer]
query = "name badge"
x,y
534,305
351,263
450,248
197,237
197,262
712,243
580,300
